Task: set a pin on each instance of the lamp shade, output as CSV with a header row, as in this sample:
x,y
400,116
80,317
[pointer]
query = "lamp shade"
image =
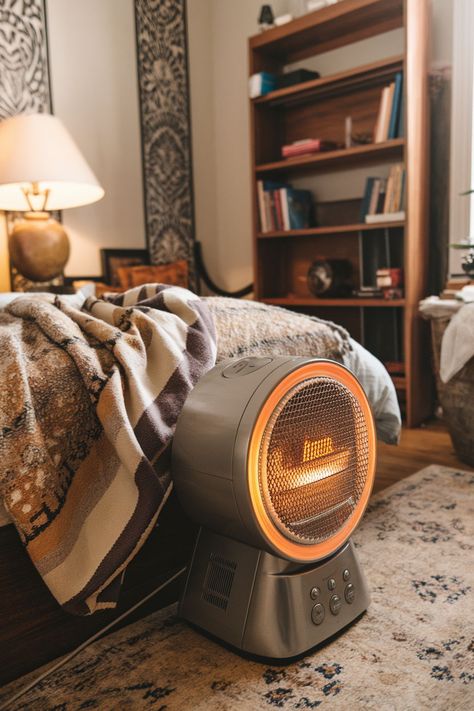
x,y
37,149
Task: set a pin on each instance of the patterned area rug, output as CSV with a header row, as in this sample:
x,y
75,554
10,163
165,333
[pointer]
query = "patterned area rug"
x,y
413,649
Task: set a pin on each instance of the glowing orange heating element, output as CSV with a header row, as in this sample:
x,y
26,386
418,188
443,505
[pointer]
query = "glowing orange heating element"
x,y
316,448
311,461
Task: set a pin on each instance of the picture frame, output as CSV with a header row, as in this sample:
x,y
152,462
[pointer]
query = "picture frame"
x,y
113,259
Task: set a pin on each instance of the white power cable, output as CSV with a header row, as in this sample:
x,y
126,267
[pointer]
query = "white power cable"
x,y
89,641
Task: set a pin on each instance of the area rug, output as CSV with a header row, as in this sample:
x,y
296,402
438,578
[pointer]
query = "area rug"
x,y
412,650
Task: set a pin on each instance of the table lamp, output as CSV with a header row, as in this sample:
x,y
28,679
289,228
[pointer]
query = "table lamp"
x,y
41,169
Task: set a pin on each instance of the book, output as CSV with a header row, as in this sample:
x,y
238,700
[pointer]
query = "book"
x,y
299,208
381,199
278,209
308,145
384,115
268,211
262,83
364,208
374,197
261,206
284,208
387,110
385,217
401,119
396,104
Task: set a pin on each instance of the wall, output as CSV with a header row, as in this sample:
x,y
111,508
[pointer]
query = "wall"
x,y
94,90
218,71
218,31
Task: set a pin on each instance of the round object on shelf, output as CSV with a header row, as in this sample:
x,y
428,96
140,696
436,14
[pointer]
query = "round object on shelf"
x,y
330,277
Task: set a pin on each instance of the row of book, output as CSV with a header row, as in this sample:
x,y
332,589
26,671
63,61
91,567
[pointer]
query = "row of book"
x,y
384,198
282,208
390,117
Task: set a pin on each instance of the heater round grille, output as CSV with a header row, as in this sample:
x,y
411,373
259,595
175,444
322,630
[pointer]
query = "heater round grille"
x,y
314,460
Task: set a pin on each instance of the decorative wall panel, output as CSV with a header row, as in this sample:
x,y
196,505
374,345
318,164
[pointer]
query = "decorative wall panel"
x,y
24,79
166,138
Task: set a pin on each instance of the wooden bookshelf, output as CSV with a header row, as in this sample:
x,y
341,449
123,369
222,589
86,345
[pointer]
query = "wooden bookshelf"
x,y
317,108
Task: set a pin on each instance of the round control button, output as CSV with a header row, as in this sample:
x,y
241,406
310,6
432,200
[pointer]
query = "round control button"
x,y
331,584
314,594
346,574
349,593
317,614
335,604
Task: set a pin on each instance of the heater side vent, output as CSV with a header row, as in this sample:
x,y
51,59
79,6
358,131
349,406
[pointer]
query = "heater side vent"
x,y
218,581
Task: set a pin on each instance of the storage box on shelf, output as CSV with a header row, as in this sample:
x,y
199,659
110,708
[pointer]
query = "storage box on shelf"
x,y
317,109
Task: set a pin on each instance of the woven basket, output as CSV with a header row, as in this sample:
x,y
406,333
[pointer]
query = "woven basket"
x,y
456,397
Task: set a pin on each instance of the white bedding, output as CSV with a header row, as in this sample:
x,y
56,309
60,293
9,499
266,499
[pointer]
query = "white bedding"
x,y
379,389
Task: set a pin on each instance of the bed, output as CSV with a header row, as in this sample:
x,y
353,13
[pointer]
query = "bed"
x,y
33,627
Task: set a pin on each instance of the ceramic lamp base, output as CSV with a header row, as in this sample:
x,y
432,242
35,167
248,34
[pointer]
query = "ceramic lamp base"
x,y
39,246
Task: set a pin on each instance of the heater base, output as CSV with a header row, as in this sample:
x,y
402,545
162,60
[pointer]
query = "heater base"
x,y
266,606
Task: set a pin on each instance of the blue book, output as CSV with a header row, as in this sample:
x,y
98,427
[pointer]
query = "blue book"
x,y
364,208
396,104
262,83
401,121
300,203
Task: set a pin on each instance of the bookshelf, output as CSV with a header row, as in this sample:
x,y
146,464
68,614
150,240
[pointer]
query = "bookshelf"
x,y
316,109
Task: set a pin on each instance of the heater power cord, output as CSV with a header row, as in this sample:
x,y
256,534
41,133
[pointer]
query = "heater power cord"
x,y
7,704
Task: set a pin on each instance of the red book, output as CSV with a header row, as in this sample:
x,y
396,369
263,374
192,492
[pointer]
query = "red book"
x,y
279,213
310,145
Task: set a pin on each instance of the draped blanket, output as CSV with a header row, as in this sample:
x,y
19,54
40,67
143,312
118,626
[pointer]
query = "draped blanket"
x,y
89,403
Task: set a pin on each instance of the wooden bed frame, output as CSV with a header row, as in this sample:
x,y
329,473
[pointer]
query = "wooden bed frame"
x,y
34,629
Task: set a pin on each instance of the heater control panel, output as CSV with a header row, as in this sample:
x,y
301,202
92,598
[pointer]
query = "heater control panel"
x,y
335,602
336,593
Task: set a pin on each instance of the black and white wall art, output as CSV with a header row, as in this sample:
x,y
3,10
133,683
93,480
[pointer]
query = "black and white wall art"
x,y
166,141
24,79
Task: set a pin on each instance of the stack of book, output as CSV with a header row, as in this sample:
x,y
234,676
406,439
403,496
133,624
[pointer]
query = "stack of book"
x,y
384,198
390,121
281,207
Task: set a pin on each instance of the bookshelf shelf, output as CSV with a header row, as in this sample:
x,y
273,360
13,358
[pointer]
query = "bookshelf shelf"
x,y
341,158
318,303
373,73
332,230
324,30
391,329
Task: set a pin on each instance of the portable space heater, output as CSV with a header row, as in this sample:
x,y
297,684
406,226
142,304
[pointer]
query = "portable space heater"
x,y
275,458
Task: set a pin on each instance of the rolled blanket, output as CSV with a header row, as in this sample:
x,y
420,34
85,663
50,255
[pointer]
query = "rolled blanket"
x,y
88,409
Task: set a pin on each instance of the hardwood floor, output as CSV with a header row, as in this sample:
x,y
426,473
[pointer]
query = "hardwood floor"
x,y
428,444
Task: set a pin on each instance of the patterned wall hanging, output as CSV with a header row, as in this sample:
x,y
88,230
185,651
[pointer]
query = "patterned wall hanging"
x,y
24,76
166,134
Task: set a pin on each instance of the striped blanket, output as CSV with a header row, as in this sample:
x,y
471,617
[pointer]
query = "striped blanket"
x,y
88,409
